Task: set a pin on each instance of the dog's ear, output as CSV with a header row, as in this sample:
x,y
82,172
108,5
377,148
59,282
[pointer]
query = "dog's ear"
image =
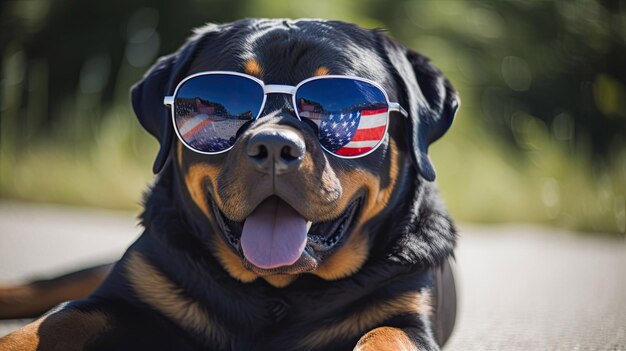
x,y
147,97
432,101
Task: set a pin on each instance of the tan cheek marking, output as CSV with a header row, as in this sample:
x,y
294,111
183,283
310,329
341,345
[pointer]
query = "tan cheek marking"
x,y
383,196
195,179
354,181
363,320
62,330
253,68
231,262
321,71
385,339
347,261
196,175
179,153
280,280
378,198
156,290
353,254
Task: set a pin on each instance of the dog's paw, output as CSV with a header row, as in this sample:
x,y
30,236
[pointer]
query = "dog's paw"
x,y
385,339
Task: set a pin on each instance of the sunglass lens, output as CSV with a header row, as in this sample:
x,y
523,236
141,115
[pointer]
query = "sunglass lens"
x,y
351,115
210,109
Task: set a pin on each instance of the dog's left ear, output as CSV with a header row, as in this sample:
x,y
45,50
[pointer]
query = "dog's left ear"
x,y
147,97
432,101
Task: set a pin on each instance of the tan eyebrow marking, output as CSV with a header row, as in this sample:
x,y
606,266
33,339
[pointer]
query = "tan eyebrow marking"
x,y
321,71
253,68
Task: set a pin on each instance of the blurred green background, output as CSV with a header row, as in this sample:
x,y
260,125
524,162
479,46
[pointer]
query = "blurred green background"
x,y
540,137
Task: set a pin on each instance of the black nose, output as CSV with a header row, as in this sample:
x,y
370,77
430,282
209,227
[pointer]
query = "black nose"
x,y
276,150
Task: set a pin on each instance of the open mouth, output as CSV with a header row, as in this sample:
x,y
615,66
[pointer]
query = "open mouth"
x,y
277,239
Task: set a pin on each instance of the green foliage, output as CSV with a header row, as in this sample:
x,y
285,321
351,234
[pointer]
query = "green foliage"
x,y
540,136
110,168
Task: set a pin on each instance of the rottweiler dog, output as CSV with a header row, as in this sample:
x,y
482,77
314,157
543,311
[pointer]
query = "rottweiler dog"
x,y
264,229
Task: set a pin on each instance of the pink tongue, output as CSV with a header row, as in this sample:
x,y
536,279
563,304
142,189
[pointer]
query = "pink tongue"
x,y
274,235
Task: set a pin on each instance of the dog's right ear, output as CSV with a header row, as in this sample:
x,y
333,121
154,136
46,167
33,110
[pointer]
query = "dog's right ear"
x,y
147,97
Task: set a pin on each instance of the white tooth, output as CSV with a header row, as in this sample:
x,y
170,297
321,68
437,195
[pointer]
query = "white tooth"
x,y
308,225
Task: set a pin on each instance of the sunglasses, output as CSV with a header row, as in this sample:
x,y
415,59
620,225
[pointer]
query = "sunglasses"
x,y
351,113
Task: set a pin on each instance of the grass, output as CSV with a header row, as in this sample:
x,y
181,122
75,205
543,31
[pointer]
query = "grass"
x,y
109,170
483,180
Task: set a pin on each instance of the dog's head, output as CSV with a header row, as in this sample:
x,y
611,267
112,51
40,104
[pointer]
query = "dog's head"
x,y
271,213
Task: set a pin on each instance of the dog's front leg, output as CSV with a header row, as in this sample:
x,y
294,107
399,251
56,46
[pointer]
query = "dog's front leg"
x,y
395,339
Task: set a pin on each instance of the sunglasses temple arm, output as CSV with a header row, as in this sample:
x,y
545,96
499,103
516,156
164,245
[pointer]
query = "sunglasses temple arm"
x,y
168,100
394,106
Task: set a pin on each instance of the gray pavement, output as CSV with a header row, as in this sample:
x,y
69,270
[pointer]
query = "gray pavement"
x,y
520,287
529,288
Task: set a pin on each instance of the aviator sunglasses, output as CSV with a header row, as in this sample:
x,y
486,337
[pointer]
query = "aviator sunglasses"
x,y
351,113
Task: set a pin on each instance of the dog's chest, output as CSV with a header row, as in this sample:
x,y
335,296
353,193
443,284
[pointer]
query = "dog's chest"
x,y
287,319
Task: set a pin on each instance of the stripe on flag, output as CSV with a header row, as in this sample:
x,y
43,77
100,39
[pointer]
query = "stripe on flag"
x,y
190,127
370,132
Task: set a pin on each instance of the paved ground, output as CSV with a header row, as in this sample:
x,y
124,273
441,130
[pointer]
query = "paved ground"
x,y
528,288
521,287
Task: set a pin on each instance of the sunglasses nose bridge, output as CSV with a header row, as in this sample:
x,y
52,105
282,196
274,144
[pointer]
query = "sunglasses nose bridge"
x,y
279,89
278,102
278,97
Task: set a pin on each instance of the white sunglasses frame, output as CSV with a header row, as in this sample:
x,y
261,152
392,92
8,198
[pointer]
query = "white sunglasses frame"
x,y
283,89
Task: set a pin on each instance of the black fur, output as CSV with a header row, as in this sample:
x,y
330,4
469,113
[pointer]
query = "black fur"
x,y
267,318
410,239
